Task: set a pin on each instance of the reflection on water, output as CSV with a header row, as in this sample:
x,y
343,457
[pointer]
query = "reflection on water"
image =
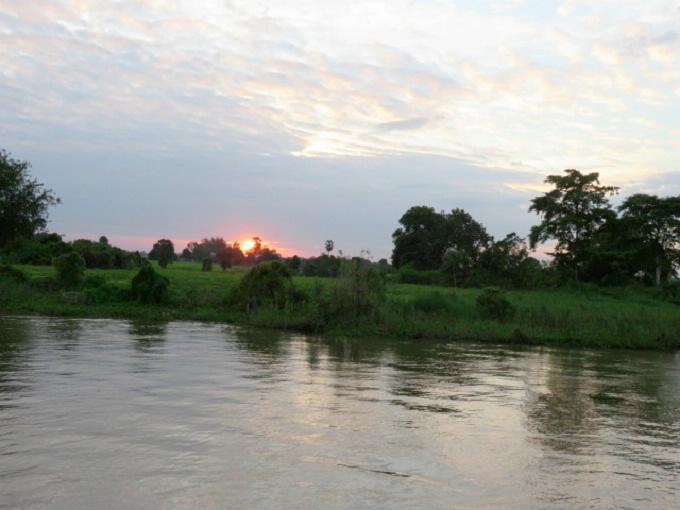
x,y
114,414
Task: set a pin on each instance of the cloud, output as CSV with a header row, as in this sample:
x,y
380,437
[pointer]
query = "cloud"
x,y
271,85
403,125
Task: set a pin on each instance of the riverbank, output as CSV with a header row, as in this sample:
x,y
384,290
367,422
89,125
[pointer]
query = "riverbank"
x,y
629,318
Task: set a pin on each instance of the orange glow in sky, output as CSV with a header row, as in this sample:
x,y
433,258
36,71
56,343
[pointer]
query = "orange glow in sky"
x,y
247,245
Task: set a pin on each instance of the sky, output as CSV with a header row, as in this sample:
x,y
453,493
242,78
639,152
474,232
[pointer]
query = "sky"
x,y
306,120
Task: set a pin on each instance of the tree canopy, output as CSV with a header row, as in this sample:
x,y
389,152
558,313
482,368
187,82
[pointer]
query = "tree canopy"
x,y
24,202
425,236
571,214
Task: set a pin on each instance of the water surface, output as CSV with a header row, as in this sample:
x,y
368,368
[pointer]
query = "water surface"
x,y
116,414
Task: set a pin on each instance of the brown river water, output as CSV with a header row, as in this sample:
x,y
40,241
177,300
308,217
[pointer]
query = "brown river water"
x,y
98,414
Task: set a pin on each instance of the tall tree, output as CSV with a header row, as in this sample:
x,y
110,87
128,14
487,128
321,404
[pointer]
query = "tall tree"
x,y
329,246
656,221
571,213
24,202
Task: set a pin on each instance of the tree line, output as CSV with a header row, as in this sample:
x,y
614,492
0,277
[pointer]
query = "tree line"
x,y
639,241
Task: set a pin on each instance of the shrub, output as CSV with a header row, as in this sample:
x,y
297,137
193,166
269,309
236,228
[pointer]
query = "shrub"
x,y
70,270
358,293
269,283
432,302
106,293
207,265
493,304
13,274
149,287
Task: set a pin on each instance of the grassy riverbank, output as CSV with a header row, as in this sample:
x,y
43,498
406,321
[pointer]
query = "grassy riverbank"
x,y
594,317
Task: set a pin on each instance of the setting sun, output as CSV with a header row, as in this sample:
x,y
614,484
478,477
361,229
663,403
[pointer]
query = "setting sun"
x,y
247,245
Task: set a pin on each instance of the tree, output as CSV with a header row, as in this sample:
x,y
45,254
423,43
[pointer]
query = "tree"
x,y
163,251
507,263
426,236
418,240
229,256
329,246
571,212
148,286
24,202
656,222
70,269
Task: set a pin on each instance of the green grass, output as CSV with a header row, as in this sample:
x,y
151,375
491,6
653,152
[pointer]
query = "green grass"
x,y
589,317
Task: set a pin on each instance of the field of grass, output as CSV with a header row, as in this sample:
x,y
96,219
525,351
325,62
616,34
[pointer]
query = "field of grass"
x,y
605,317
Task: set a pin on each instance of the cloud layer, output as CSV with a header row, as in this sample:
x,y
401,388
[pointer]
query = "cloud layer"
x,y
125,90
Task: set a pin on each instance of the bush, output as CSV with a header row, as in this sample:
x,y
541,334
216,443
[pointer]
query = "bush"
x,y
358,293
70,270
106,293
207,265
267,284
432,302
13,274
493,304
149,287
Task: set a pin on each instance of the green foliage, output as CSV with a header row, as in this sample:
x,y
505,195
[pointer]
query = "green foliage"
x,y
572,212
70,269
358,293
94,281
101,255
267,284
24,202
506,263
654,224
634,317
671,292
39,249
206,265
13,274
163,251
433,302
493,304
426,235
409,274
294,263
149,287
326,266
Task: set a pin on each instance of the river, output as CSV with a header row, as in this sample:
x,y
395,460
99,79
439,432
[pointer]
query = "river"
x,y
116,414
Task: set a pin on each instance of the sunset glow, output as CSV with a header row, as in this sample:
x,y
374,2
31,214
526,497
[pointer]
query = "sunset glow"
x,y
247,245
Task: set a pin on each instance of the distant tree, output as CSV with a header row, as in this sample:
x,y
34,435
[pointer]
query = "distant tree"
x,y
294,263
656,223
329,246
207,264
572,212
104,240
70,269
418,240
426,236
507,263
24,202
163,251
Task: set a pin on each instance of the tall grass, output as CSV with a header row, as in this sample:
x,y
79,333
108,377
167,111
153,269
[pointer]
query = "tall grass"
x,y
627,317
